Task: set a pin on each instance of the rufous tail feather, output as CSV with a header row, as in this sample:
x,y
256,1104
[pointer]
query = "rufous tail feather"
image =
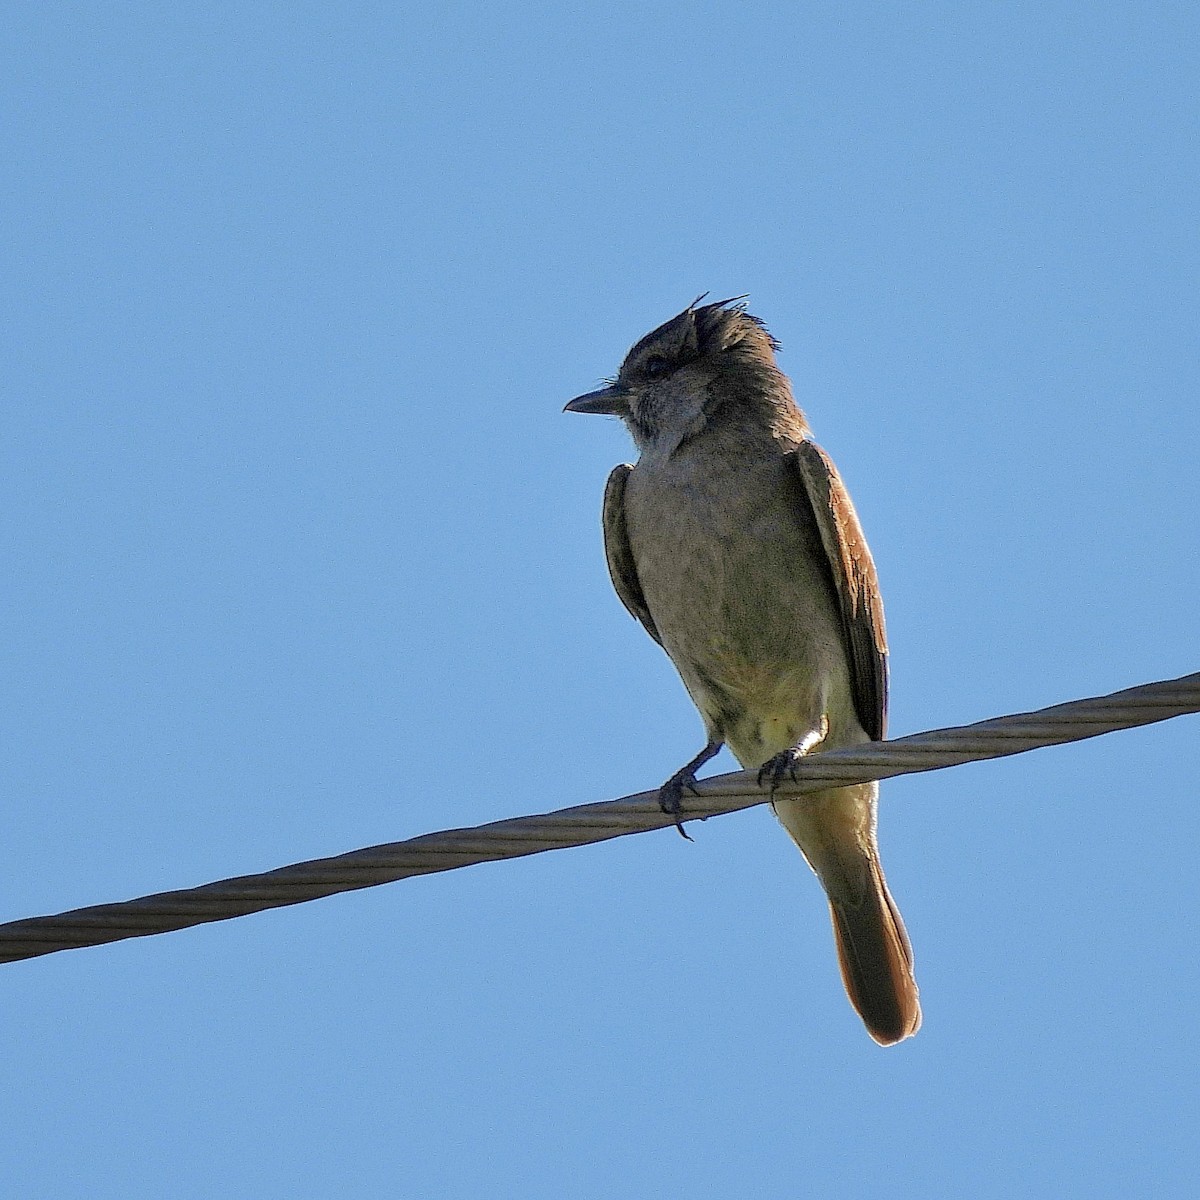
x,y
876,960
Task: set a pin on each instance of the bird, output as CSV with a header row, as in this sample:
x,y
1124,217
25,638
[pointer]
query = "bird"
x,y
734,542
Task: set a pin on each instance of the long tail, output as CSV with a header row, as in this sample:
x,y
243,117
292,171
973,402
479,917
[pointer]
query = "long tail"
x,y
836,832
876,960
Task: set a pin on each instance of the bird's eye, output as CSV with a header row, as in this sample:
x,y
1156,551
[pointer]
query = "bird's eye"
x,y
656,364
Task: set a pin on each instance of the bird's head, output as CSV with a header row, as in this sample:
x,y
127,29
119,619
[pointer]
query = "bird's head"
x,y
710,358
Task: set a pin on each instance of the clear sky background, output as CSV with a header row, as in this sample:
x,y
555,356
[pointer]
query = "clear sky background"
x,y
301,555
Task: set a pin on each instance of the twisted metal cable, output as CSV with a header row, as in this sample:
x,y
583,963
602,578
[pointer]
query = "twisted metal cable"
x,y
588,823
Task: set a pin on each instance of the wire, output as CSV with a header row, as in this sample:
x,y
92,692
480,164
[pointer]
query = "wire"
x,y
579,826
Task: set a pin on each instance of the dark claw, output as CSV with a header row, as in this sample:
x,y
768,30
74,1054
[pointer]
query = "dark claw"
x,y
670,800
774,769
670,795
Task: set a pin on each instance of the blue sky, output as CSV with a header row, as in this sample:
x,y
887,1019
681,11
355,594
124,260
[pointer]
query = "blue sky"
x,y
301,555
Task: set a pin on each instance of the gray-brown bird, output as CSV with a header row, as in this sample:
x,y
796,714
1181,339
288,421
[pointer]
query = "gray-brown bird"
x,y
734,542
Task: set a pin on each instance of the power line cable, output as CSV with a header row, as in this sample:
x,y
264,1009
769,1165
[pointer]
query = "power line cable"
x,y
579,826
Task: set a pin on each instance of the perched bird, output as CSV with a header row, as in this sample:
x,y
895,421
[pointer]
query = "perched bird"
x,y
734,543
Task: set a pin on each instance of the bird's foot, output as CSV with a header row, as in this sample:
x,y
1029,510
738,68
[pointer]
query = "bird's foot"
x,y
670,795
783,765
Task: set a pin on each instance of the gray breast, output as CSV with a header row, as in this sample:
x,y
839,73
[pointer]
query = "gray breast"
x,y
733,571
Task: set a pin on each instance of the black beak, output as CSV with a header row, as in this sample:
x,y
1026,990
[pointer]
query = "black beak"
x,y
611,401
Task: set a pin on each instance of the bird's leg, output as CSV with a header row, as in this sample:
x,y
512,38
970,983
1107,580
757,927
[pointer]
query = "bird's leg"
x,y
784,763
670,795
